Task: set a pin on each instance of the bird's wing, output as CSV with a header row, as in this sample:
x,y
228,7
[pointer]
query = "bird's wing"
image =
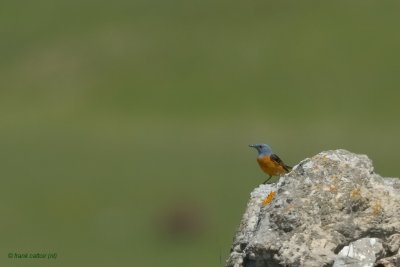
x,y
277,159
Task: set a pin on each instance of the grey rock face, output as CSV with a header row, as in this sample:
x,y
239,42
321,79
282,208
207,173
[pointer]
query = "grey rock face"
x,y
393,261
328,209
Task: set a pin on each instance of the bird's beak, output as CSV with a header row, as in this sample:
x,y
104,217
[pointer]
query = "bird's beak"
x,y
252,145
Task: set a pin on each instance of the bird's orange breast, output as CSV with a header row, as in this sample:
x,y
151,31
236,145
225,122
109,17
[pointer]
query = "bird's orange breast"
x,y
269,166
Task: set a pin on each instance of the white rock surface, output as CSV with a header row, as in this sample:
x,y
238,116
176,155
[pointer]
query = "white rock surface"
x,y
361,253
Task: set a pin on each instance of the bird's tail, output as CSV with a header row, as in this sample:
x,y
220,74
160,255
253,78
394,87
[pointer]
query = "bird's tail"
x,y
287,168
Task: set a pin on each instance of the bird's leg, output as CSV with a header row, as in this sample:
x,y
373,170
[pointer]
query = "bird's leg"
x,y
268,179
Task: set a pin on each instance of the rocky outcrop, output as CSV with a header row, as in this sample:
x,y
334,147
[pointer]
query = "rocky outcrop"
x,y
330,210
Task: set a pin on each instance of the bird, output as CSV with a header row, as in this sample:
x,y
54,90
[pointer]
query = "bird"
x,y
269,162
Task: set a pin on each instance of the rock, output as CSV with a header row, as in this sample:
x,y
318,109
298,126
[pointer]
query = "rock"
x,y
393,261
393,243
361,253
326,203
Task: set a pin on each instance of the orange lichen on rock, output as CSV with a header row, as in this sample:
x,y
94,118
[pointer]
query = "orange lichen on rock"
x,y
333,188
377,207
269,198
355,193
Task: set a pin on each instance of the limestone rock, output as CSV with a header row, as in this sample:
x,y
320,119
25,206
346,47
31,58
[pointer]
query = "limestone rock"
x,y
324,204
393,261
361,253
393,243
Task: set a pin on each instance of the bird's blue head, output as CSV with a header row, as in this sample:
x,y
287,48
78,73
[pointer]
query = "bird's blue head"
x,y
262,149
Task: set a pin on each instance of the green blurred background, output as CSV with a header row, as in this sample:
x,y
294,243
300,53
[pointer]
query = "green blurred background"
x,y
124,125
